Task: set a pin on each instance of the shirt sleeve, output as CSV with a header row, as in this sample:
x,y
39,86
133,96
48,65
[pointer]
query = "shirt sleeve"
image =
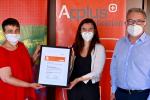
x,y
3,58
113,69
99,61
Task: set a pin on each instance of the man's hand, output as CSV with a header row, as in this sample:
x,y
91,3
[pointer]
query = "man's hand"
x,y
112,97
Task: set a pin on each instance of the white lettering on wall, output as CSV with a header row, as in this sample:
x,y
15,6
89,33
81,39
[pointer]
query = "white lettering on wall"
x,y
64,12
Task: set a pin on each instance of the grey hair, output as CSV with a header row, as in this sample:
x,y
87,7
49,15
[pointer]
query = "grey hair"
x,y
138,10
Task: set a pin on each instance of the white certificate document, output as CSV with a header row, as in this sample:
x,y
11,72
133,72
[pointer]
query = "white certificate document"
x,y
54,66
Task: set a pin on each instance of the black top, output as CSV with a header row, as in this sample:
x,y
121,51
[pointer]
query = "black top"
x,y
82,66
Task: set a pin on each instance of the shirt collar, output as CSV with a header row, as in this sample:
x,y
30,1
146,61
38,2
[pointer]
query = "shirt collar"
x,y
142,38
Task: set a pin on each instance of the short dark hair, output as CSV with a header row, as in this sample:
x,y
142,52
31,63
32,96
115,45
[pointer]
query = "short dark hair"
x,y
79,42
10,21
138,10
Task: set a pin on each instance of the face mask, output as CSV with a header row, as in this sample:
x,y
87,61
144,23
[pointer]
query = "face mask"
x,y
13,38
134,30
87,36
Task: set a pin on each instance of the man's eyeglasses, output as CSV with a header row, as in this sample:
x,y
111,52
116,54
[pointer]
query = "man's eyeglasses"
x,y
138,22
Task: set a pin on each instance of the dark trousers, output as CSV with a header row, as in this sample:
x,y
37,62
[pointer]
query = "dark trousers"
x,y
84,92
138,95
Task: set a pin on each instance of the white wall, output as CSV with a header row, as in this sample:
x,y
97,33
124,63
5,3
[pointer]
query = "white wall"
x,y
138,4
133,4
148,15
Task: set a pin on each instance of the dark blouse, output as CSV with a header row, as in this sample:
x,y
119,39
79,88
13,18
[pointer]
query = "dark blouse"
x,y
82,66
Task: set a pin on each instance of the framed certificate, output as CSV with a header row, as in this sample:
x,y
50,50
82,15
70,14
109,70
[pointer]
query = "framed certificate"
x,y
54,66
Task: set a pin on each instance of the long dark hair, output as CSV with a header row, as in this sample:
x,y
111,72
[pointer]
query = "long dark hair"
x,y
79,42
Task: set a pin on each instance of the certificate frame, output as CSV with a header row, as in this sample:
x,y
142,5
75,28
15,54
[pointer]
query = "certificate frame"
x,y
54,66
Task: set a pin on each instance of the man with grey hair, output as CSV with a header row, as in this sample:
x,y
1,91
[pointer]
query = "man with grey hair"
x,y
130,66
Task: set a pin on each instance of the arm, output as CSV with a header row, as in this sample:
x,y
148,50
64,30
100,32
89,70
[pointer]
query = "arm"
x,y
36,54
71,62
113,70
6,77
99,61
98,64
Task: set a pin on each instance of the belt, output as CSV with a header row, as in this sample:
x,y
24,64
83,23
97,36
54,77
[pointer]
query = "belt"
x,y
132,91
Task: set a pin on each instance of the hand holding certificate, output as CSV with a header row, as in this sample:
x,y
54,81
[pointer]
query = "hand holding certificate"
x,y
54,66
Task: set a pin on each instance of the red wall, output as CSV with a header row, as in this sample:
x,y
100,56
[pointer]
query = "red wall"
x,y
109,16
30,12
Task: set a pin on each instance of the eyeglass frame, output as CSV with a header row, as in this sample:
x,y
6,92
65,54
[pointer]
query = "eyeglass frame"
x,y
137,22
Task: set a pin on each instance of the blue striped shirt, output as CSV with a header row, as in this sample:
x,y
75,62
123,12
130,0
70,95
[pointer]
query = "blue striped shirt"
x,y
130,66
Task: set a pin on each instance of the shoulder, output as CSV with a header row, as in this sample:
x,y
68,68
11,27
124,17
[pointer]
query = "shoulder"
x,y
99,51
121,41
2,49
21,45
147,40
99,47
147,36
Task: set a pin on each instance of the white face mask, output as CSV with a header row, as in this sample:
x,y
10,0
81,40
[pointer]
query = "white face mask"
x,y
135,30
87,36
13,38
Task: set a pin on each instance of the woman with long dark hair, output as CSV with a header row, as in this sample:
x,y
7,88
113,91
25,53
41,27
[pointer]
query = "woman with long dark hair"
x,y
89,59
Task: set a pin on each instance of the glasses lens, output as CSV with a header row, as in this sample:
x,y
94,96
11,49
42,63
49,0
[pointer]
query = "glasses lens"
x,y
138,22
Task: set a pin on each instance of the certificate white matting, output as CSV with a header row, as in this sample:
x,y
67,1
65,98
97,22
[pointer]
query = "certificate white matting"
x,y
54,65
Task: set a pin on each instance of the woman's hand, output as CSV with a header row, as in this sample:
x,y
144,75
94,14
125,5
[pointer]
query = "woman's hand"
x,y
36,86
72,60
72,51
73,83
